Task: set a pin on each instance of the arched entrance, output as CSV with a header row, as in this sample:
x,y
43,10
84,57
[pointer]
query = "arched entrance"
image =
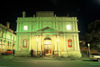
x,y
47,46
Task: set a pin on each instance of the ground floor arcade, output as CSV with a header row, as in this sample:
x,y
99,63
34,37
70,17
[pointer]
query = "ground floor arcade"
x,y
48,45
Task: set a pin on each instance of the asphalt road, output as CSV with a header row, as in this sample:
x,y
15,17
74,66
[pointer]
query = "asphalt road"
x,y
10,61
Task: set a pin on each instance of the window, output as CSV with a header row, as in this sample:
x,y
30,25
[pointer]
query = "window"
x,y
68,27
25,27
47,41
25,43
0,43
70,43
8,43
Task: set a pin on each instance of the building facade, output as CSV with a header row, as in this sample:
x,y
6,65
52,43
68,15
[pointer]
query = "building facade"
x,y
47,35
7,38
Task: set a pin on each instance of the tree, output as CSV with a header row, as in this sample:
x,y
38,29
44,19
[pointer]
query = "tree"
x,y
93,35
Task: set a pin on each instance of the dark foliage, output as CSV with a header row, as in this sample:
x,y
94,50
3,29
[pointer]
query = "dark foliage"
x,y
93,35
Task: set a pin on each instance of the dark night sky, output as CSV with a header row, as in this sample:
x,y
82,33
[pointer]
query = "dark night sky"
x,y
86,10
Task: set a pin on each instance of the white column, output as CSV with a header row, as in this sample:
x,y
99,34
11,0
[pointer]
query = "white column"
x,y
37,40
78,47
57,45
75,42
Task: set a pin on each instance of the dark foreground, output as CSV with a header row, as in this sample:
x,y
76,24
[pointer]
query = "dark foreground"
x,y
11,61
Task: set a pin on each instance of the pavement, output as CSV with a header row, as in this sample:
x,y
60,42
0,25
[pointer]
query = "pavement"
x,y
11,61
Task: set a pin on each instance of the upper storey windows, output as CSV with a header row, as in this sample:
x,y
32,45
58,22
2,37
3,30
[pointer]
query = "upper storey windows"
x,y
33,24
68,27
25,27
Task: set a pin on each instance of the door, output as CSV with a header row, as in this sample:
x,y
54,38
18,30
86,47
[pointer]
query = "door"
x,y
47,46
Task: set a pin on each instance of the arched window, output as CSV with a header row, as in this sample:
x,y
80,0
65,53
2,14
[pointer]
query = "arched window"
x,y
47,41
47,38
70,43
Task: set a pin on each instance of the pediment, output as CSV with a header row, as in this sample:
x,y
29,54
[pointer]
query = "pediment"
x,y
47,29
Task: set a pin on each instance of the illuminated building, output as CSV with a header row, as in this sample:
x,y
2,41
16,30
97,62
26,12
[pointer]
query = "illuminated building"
x,y
7,38
48,35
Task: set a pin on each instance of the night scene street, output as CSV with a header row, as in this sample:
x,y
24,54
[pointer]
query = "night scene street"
x,y
50,33
10,61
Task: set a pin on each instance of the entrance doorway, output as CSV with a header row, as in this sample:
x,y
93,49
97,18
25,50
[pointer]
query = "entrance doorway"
x,y
47,46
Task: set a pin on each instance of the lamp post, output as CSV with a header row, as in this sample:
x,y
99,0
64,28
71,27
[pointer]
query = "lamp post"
x,y
89,49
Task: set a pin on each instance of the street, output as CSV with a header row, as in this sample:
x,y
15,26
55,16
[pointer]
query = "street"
x,y
11,61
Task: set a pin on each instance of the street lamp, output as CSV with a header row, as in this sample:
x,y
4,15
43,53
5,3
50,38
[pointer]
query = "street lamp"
x,y
89,48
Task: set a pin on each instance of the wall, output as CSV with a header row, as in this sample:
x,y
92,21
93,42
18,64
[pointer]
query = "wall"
x,y
48,25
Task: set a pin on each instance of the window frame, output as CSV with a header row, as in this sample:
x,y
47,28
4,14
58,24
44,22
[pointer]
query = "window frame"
x,y
24,42
69,42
